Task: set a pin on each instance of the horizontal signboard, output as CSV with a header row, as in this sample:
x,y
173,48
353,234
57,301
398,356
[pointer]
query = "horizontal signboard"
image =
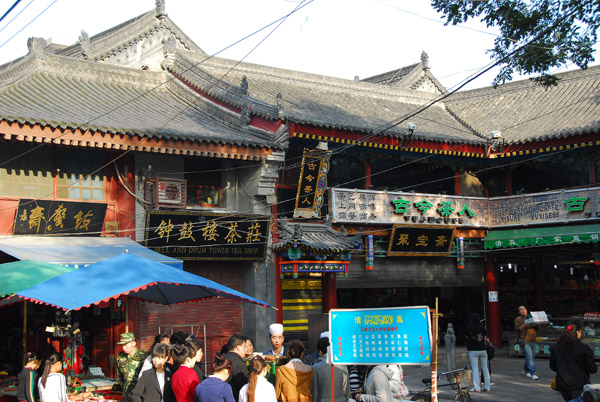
x,y
43,217
191,235
420,240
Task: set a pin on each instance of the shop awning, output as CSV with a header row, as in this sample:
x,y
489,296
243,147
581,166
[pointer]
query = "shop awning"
x,y
546,236
75,251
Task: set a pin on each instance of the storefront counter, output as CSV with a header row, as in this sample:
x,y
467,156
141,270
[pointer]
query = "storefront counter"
x,y
549,334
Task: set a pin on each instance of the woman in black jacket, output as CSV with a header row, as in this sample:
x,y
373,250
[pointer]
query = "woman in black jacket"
x,y
573,362
155,384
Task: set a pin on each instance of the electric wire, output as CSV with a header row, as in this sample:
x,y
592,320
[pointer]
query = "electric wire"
x,y
397,123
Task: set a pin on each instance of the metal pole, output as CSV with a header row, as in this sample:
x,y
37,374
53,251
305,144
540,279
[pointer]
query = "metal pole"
x,y
205,353
24,332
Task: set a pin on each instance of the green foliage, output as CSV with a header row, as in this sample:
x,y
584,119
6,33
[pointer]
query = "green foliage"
x,y
535,35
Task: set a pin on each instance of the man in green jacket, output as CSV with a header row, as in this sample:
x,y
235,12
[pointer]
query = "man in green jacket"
x,y
129,364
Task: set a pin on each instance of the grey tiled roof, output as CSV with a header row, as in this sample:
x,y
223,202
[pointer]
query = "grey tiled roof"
x,y
325,101
317,236
68,93
524,111
126,34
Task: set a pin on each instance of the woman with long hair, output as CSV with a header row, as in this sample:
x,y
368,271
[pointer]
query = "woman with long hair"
x,y
52,384
294,380
258,388
476,345
573,362
28,378
215,388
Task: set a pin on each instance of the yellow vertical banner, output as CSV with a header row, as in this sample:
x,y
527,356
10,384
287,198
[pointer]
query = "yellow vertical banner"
x,y
312,183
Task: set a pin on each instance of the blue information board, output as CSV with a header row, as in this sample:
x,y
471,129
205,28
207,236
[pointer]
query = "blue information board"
x,y
395,335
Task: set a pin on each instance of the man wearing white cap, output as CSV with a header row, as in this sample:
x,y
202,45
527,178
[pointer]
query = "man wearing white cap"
x,y
276,336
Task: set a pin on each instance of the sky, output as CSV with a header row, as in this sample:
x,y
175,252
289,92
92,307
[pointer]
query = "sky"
x,y
338,38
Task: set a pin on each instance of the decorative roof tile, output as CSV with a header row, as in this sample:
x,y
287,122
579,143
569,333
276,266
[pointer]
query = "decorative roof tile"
x,y
317,236
524,111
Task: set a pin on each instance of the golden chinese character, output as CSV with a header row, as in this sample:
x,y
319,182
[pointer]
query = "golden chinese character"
x,y
186,231
233,235
58,217
164,229
35,218
310,178
441,240
306,200
311,166
422,240
82,221
399,319
209,232
402,240
357,320
23,216
308,189
253,233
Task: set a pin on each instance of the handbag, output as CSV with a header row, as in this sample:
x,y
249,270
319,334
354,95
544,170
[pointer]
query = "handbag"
x,y
491,350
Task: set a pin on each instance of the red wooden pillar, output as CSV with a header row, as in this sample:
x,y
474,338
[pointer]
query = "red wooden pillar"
x,y
457,183
367,175
278,297
329,292
493,311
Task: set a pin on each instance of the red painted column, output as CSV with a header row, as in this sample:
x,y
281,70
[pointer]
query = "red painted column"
x,y
278,296
367,175
329,292
493,311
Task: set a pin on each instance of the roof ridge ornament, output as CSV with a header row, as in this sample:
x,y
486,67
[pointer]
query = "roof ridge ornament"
x,y
280,108
244,85
37,47
160,8
86,44
425,60
297,232
169,49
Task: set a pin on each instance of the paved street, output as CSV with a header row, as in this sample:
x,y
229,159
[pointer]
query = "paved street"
x,y
509,382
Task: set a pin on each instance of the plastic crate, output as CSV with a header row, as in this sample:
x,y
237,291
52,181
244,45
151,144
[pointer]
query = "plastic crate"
x,y
460,379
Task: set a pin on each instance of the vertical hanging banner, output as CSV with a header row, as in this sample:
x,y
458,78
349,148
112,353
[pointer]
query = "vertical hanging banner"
x,y
312,183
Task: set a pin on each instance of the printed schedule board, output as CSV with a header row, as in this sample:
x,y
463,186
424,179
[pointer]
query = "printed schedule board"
x,y
396,335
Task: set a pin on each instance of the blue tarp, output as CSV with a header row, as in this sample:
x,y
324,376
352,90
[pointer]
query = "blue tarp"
x,y
126,274
77,251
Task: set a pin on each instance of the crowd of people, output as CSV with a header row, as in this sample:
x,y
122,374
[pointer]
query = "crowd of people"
x,y
171,372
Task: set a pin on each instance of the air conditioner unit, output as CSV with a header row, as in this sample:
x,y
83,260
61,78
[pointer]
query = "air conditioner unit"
x,y
166,192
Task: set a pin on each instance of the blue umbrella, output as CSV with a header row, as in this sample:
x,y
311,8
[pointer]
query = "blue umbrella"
x,y
126,274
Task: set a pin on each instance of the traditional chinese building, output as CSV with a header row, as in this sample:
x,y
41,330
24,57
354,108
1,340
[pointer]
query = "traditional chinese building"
x,y
198,157
108,140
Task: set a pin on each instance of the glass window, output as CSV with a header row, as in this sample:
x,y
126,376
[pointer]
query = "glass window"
x,y
25,171
80,175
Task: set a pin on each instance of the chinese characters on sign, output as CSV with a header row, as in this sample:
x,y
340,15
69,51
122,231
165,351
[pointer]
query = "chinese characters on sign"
x,y
207,236
312,183
420,240
400,335
58,217
383,207
371,207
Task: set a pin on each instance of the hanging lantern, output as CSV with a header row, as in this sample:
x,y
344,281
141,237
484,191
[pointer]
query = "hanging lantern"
x,y
461,253
370,253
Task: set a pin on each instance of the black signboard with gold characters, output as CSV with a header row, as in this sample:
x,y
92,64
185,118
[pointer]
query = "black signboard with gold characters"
x,y
43,217
421,240
189,235
312,183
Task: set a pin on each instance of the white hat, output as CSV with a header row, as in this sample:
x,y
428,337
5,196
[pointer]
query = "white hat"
x,y
324,334
275,329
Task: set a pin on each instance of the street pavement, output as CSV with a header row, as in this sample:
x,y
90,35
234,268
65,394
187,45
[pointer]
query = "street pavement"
x,y
510,384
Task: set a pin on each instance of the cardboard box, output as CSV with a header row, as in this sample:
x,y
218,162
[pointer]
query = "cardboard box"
x,y
537,318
